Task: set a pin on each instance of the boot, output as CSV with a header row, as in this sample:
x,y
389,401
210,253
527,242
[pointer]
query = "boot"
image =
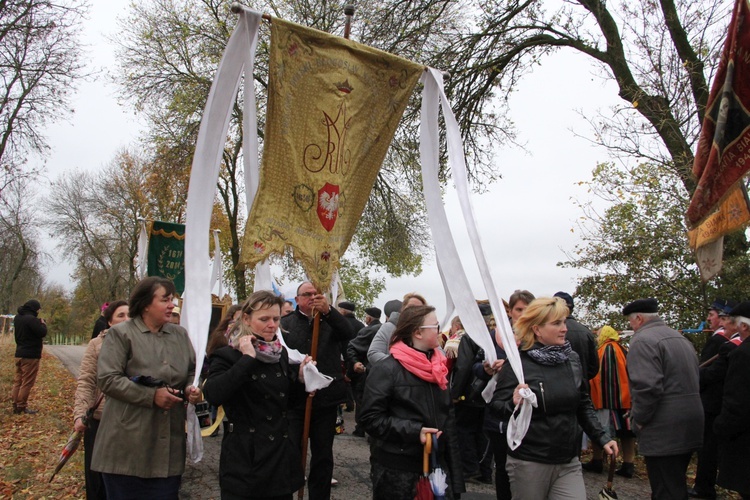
x,y
593,466
626,470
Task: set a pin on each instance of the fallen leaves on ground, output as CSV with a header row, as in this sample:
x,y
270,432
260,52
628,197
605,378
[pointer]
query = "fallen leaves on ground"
x,y
30,445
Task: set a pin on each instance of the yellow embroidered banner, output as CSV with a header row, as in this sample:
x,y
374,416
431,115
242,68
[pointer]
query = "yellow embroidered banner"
x,y
333,107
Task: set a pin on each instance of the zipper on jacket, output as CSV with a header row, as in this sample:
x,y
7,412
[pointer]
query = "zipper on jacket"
x,y
544,403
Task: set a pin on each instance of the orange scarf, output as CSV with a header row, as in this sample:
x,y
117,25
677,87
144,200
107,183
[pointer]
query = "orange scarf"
x,y
433,369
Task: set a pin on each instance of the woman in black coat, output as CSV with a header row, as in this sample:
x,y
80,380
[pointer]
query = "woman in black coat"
x,y
545,464
252,379
406,399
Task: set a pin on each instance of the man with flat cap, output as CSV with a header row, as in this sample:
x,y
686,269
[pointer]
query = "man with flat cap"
x,y
667,414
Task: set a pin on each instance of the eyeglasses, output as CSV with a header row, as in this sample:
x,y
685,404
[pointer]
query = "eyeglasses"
x,y
428,327
307,294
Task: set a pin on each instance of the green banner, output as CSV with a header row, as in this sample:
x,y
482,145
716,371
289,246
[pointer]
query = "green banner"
x,y
166,252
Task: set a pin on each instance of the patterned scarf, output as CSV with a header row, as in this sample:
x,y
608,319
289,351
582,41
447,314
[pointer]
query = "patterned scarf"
x,y
268,352
550,355
434,369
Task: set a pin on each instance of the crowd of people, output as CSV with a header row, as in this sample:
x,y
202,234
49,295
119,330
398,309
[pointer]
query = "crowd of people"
x,y
413,386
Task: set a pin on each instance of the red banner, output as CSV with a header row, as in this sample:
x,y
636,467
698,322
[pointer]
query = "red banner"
x,y
723,155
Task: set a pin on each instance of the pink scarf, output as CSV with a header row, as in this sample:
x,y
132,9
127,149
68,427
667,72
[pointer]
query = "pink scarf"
x,y
434,370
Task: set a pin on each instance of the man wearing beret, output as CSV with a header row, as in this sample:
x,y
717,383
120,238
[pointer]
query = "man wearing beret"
x,y
667,414
731,425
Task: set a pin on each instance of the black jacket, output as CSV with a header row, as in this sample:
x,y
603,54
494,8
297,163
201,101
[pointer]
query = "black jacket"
x,y
712,379
395,407
583,343
334,331
563,403
731,426
712,347
29,332
462,376
257,455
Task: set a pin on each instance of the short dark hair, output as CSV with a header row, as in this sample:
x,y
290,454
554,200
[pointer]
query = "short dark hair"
x,y
409,321
523,295
109,312
144,291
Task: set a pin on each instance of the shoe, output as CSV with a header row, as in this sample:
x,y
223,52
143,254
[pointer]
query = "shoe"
x,y
626,470
593,466
334,482
359,433
18,411
485,480
694,494
472,478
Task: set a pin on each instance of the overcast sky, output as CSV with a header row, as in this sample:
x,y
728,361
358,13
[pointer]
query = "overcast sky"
x,y
526,218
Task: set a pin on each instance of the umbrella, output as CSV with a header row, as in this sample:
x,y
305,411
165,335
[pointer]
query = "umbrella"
x,y
75,439
424,489
608,493
70,447
437,476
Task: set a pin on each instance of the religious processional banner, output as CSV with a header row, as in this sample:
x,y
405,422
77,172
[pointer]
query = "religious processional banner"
x,y
333,108
166,252
723,155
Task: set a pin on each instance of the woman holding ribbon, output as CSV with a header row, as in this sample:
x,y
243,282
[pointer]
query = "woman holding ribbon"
x,y
545,464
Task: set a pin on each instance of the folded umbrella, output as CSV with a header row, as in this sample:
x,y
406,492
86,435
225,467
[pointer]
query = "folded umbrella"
x,y
70,447
75,439
608,493
424,489
438,479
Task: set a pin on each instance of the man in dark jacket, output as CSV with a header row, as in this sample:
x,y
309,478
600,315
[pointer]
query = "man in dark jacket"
x,y
335,331
581,341
731,425
30,331
356,361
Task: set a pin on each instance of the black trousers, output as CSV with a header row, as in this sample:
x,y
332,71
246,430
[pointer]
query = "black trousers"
x,y
667,476
94,483
121,487
708,459
476,457
499,445
322,432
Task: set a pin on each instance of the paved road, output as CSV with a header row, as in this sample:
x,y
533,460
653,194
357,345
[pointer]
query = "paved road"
x,y
351,454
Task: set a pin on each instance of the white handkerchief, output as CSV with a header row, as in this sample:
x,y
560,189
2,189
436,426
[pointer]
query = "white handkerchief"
x,y
315,380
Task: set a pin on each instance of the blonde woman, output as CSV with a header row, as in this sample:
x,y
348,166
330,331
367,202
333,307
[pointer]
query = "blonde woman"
x,y
546,463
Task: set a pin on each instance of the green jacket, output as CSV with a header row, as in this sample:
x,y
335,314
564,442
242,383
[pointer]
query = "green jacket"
x,y
136,438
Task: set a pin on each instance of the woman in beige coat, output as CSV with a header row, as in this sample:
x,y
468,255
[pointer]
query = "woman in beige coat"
x,y
87,395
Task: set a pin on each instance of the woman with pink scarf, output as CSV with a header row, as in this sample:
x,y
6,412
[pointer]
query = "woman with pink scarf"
x,y
406,399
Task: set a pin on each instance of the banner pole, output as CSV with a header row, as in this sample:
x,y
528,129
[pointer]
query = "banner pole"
x,y
308,403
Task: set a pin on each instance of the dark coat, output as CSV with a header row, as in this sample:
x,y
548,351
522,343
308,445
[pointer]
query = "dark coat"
x,y
731,426
663,374
713,344
99,326
712,379
395,407
257,455
583,343
563,403
356,324
29,333
462,376
334,331
356,351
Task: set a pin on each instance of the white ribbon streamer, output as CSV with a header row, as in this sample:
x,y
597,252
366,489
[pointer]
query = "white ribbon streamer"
x,y
518,425
239,55
448,259
216,266
142,263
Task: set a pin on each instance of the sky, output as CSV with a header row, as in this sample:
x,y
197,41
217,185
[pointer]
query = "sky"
x,y
526,219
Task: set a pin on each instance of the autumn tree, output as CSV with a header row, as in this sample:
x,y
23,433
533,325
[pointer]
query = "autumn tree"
x,y
95,217
41,62
661,55
20,252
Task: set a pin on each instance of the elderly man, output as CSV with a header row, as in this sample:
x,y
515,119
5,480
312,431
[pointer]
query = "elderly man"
x,y
667,414
731,424
335,331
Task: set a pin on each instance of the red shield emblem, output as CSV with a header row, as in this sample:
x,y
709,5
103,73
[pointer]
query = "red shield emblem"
x,y
328,205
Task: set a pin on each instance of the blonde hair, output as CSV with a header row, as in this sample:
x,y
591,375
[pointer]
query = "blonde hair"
x,y
409,296
540,311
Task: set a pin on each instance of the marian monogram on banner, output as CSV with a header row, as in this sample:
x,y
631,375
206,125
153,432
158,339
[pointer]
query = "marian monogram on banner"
x,y
333,107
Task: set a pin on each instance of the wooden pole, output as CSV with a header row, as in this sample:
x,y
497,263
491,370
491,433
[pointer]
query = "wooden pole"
x,y
349,12
309,402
